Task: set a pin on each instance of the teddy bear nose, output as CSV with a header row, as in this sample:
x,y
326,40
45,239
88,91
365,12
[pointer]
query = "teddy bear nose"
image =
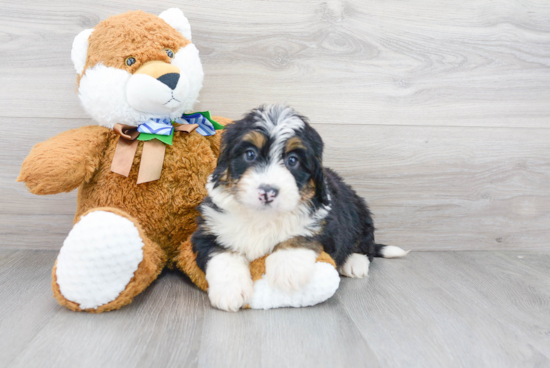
x,y
170,79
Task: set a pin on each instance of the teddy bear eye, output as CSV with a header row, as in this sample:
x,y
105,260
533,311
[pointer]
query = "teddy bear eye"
x,y
130,61
170,53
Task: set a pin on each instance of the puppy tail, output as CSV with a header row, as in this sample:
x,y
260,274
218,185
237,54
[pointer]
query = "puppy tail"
x,y
389,251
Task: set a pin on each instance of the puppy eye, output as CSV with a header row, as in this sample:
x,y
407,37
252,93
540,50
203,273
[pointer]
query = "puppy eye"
x,y
250,155
292,161
170,53
130,61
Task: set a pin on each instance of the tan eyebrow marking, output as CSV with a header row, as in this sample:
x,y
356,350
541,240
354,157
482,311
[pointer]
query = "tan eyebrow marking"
x,y
256,138
294,143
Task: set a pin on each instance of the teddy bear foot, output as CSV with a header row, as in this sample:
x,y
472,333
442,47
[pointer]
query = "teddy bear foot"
x,y
105,261
290,269
323,284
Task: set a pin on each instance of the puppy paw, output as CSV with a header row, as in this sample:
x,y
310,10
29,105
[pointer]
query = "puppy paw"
x,y
356,266
290,269
230,285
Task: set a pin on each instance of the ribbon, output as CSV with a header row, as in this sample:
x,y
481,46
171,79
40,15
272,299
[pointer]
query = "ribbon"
x,y
157,126
206,125
155,134
152,158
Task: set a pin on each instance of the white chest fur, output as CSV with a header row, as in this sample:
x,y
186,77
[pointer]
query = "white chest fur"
x,y
255,234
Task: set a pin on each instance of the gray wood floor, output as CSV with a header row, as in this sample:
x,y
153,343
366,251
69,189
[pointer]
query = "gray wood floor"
x,y
431,309
437,113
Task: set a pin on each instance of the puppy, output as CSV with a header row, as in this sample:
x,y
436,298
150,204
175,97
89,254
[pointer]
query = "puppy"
x,y
271,194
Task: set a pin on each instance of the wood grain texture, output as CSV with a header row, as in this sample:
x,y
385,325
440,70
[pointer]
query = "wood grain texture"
x,y
449,188
430,189
436,112
467,63
460,309
430,309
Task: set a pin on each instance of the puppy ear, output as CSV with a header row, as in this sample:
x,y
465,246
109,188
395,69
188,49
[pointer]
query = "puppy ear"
x,y
219,176
80,49
176,19
221,173
321,193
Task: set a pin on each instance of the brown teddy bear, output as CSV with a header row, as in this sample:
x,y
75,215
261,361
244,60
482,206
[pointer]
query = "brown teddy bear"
x,y
141,173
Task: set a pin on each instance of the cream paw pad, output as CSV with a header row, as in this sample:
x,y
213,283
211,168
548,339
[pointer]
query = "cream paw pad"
x,y
322,286
98,259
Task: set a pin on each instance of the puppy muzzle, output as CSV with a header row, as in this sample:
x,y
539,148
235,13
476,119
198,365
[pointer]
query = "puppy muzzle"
x,y
267,193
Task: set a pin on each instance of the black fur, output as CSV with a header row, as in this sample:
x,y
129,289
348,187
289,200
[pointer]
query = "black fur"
x,y
204,244
347,229
233,148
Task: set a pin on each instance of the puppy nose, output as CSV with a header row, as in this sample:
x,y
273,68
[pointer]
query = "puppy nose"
x,y
267,193
170,79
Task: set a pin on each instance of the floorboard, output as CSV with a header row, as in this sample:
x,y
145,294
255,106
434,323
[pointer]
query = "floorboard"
x,y
436,112
430,309
461,63
450,188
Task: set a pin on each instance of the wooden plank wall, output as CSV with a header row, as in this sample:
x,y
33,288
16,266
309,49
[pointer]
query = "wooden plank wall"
x,y
438,112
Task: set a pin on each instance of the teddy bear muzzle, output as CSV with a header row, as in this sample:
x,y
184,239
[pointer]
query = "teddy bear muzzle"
x,y
157,87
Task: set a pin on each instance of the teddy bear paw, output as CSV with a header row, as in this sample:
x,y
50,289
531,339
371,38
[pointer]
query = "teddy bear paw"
x,y
230,285
98,259
323,285
290,269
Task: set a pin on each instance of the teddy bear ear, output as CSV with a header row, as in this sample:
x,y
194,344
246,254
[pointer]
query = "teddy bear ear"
x,y
80,50
176,19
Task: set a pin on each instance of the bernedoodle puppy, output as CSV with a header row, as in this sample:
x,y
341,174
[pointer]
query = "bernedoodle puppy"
x,y
270,194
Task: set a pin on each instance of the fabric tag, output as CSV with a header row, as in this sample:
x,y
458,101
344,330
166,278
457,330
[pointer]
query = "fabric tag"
x,y
152,159
188,128
123,158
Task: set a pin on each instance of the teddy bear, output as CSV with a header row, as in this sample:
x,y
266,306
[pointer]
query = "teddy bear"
x,y
141,171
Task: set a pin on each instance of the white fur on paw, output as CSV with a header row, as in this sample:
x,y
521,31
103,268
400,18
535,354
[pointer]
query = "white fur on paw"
x,y
391,251
98,259
323,285
356,266
230,285
290,269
